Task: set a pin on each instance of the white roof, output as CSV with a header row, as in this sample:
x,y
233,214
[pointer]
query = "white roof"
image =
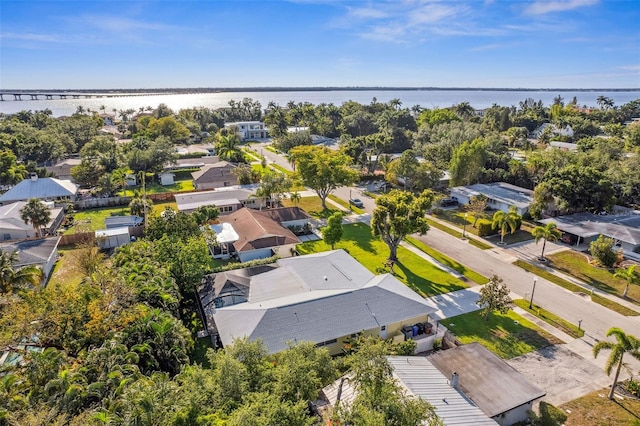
x,y
112,232
225,233
10,216
41,188
217,197
498,191
421,378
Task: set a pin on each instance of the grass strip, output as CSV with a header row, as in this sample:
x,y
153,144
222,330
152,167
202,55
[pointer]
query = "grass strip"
x,y
281,169
596,409
623,310
345,204
447,261
477,243
550,318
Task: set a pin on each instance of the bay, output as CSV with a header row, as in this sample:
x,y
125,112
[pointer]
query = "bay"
x,y
479,99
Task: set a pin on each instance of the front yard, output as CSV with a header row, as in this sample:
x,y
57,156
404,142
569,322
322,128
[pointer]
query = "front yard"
x,y
372,252
313,206
507,335
577,265
598,410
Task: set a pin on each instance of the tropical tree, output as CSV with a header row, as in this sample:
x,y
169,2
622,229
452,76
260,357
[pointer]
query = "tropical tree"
x,y
205,214
630,275
549,232
37,214
477,206
625,343
140,206
505,221
11,172
323,170
332,233
294,197
494,296
12,278
228,150
398,214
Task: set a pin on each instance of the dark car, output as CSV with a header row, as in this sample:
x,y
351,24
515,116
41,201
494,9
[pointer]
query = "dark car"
x,y
356,202
448,202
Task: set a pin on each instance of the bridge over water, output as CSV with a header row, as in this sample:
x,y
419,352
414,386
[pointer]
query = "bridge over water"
x,y
34,95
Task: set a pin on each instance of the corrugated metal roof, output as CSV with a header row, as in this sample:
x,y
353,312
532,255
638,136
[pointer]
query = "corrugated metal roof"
x,y
422,379
499,191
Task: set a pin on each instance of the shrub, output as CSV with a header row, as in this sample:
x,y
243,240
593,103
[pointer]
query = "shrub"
x,y
437,344
633,387
485,228
602,251
406,348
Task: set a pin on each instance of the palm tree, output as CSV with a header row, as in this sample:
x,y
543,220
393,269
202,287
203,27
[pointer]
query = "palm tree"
x,y
12,278
464,110
227,148
294,197
626,343
549,232
505,221
630,275
36,213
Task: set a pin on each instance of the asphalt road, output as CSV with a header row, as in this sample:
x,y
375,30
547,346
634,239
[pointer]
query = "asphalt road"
x,y
596,319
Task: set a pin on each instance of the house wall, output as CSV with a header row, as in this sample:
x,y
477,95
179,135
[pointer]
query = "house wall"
x,y
518,414
284,250
213,185
48,267
246,256
15,234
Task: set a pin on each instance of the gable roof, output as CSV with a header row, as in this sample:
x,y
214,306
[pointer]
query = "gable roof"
x,y
257,231
40,188
495,386
32,252
285,214
217,197
287,304
216,172
422,379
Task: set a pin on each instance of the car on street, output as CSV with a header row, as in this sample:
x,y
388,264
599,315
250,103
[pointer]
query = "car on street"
x,y
356,202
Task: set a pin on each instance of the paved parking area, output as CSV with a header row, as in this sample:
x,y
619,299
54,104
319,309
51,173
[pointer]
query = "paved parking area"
x,y
564,374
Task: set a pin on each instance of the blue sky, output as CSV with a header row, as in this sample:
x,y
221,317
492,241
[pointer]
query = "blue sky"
x,y
129,44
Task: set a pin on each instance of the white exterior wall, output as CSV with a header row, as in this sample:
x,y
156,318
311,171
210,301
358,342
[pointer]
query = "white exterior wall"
x,y
246,256
15,234
48,267
518,414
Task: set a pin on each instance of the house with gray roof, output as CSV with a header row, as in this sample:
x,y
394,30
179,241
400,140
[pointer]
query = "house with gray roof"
x,y
12,227
42,253
324,298
227,200
216,175
45,189
500,195
497,388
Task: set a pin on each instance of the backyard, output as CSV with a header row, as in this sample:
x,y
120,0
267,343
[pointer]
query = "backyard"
x,y
577,265
507,335
93,219
372,252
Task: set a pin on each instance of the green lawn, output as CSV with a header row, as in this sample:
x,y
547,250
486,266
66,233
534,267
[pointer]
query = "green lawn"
x,y
63,271
93,219
311,205
414,271
457,217
345,204
623,310
474,242
598,410
552,319
576,264
507,335
447,261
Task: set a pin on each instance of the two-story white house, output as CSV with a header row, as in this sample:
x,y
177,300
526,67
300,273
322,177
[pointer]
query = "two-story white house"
x,y
248,130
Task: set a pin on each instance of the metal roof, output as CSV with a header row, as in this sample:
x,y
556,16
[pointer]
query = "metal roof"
x,y
40,188
422,379
624,227
32,252
10,216
495,386
193,200
499,191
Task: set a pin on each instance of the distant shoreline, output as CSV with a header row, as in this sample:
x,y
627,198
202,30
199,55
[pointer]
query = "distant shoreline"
x,y
307,89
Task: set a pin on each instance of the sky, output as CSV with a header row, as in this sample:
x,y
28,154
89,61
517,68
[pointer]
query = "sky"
x,y
310,43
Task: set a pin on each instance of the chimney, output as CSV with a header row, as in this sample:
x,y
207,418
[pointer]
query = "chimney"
x,y
34,177
454,380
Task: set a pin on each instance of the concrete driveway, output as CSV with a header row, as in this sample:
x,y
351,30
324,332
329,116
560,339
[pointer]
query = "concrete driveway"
x,y
564,374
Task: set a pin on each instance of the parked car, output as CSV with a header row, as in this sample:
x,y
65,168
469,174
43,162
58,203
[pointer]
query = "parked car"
x,y
448,202
356,202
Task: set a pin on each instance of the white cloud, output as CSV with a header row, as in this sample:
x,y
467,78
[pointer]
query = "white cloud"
x,y
542,7
42,38
630,67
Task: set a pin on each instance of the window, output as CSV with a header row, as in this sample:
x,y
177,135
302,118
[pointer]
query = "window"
x,y
7,236
326,343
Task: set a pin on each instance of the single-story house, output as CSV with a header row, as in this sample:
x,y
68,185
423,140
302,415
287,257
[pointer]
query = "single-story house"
x,y
225,237
112,222
190,163
108,119
564,131
420,378
12,227
217,175
45,189
62,169
288,216
497,388
501,195
42,253
259,236
227,200
586,227
325,298
112,238
247,130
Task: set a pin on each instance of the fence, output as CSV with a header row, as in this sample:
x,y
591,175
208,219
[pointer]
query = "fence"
x,y
84,237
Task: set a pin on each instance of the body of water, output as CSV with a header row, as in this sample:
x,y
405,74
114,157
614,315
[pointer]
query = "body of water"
x,y
478,99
